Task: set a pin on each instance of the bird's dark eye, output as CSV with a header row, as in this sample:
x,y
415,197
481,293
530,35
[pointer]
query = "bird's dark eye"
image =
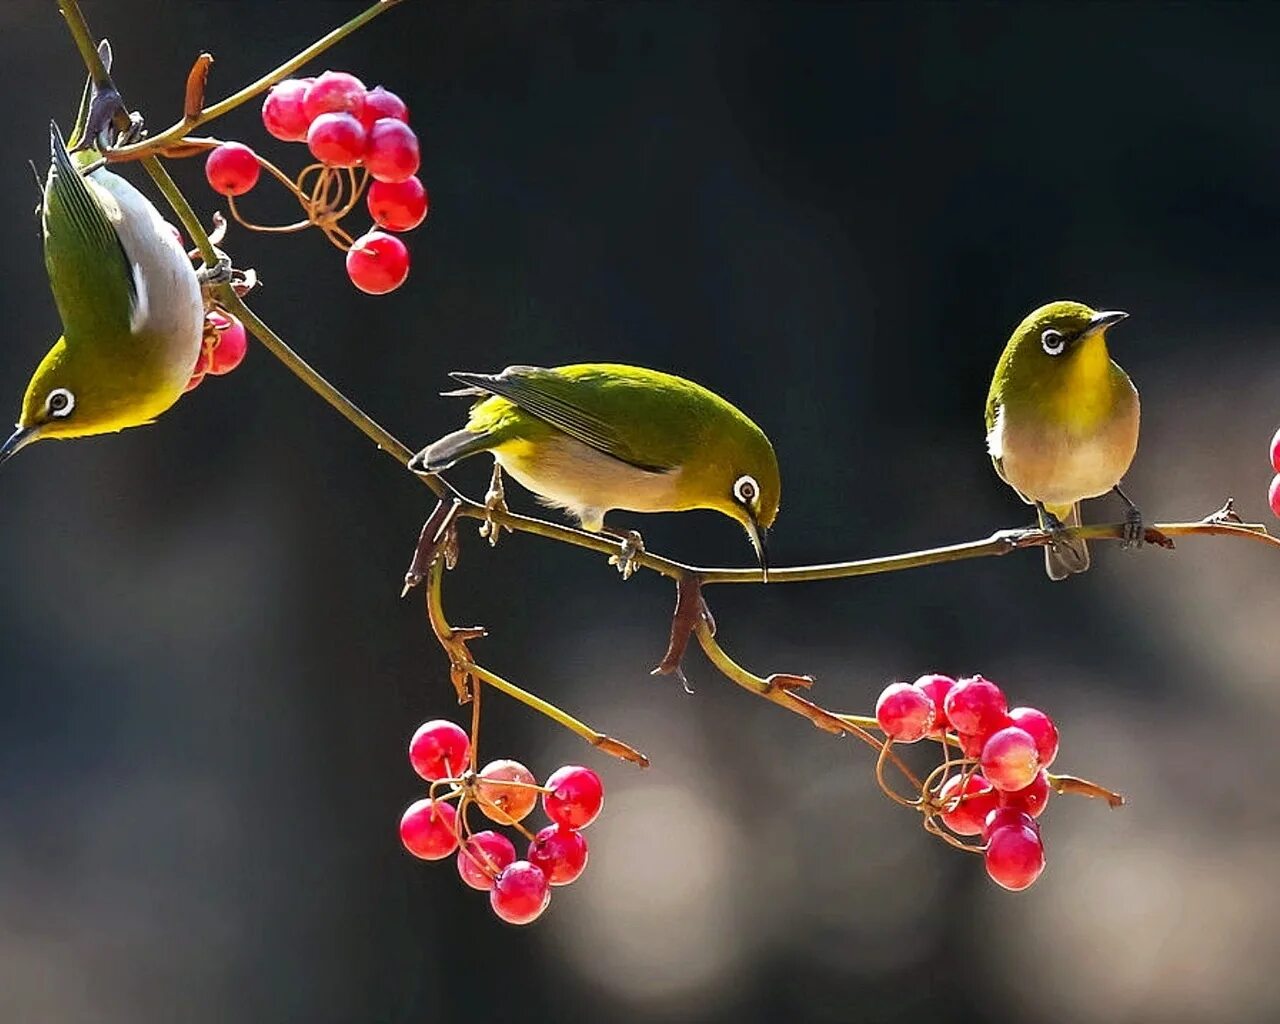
x,y
1053,342
746,490
60,402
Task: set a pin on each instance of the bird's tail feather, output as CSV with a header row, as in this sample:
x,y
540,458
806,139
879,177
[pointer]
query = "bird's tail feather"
x,y
448,450
1066,556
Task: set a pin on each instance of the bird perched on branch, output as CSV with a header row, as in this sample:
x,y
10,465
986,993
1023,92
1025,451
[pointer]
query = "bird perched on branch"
x,y
1062,423
592,437
129,300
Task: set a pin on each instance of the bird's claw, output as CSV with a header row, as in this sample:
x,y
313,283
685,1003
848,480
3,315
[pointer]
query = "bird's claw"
x,y
219,274
630,548
495,505
1134,532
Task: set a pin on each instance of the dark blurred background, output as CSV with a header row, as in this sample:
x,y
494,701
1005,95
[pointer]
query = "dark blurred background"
x,y
833,215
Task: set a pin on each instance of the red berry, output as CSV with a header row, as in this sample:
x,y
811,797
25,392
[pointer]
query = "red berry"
x,y
398,206
1030,799
1273,495
975,706
232,169
520,894
380,103
937,687
196,380
1010,760
561,853
904,712
482,858
1007,817
971,810
575,798
336,139
506,804
971,746
391,153
1015,856
439,750
1275,452
1042,730
232,343
283,114
378,263
334,91
429,829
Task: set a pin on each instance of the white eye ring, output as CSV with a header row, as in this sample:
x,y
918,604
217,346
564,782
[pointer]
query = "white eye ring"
x,y
60,403
746,490
1053,342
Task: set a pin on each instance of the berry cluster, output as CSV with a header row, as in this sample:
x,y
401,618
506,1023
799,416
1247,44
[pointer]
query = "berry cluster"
x,y
222,349
1273,492
505,792
998,786
359,137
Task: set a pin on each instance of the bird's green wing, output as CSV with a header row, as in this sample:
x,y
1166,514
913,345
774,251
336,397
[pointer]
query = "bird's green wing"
x,y
90,274
578,405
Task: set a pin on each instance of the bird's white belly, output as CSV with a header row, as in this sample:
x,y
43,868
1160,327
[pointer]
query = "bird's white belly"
x,y
568,474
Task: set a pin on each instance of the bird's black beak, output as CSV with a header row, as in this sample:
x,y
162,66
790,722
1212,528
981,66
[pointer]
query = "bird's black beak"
x,y
18,440
760,541
1101,321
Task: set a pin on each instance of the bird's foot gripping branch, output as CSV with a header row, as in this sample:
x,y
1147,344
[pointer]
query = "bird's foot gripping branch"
x,y
989,782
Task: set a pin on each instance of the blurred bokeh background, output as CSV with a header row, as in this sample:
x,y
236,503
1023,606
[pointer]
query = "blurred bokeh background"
x,y
831,214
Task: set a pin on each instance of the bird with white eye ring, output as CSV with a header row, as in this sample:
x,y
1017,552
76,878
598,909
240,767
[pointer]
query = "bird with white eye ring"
x,y
592,437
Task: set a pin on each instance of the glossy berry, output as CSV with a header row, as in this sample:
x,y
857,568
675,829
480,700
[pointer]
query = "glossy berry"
x,y
196,380
380,103
391,152
971,746
979,800
283,114
439,750
429,829
232,169
975,706
1014,856
1006,817
1010,760
937,687
337,140
1042,730
231,343
575,796
1030,799
561,853
483,857
1275,452
334,92
378,263
520,894
904,712
506,804
1273,495
398,206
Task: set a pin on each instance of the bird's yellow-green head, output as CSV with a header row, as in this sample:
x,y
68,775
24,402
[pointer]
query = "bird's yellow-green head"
x,y
739,479
1061,340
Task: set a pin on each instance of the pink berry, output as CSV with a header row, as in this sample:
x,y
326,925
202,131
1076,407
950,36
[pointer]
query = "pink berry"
x,y
937,687
398,206
1030,799
575,796
499,800
196,380
283,114
380,103
1010,760
1042,730
483,857
429,829
520,894
1273,495
971,810
232,169
971,746
232,343
904,712
975,706
378,263
1007,817
336,139
391,153
561,853
334,92
1275,452
1015,856
439,750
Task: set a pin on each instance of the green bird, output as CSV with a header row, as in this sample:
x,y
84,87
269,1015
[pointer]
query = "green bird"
x,y
129,300
1062,422
592,437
